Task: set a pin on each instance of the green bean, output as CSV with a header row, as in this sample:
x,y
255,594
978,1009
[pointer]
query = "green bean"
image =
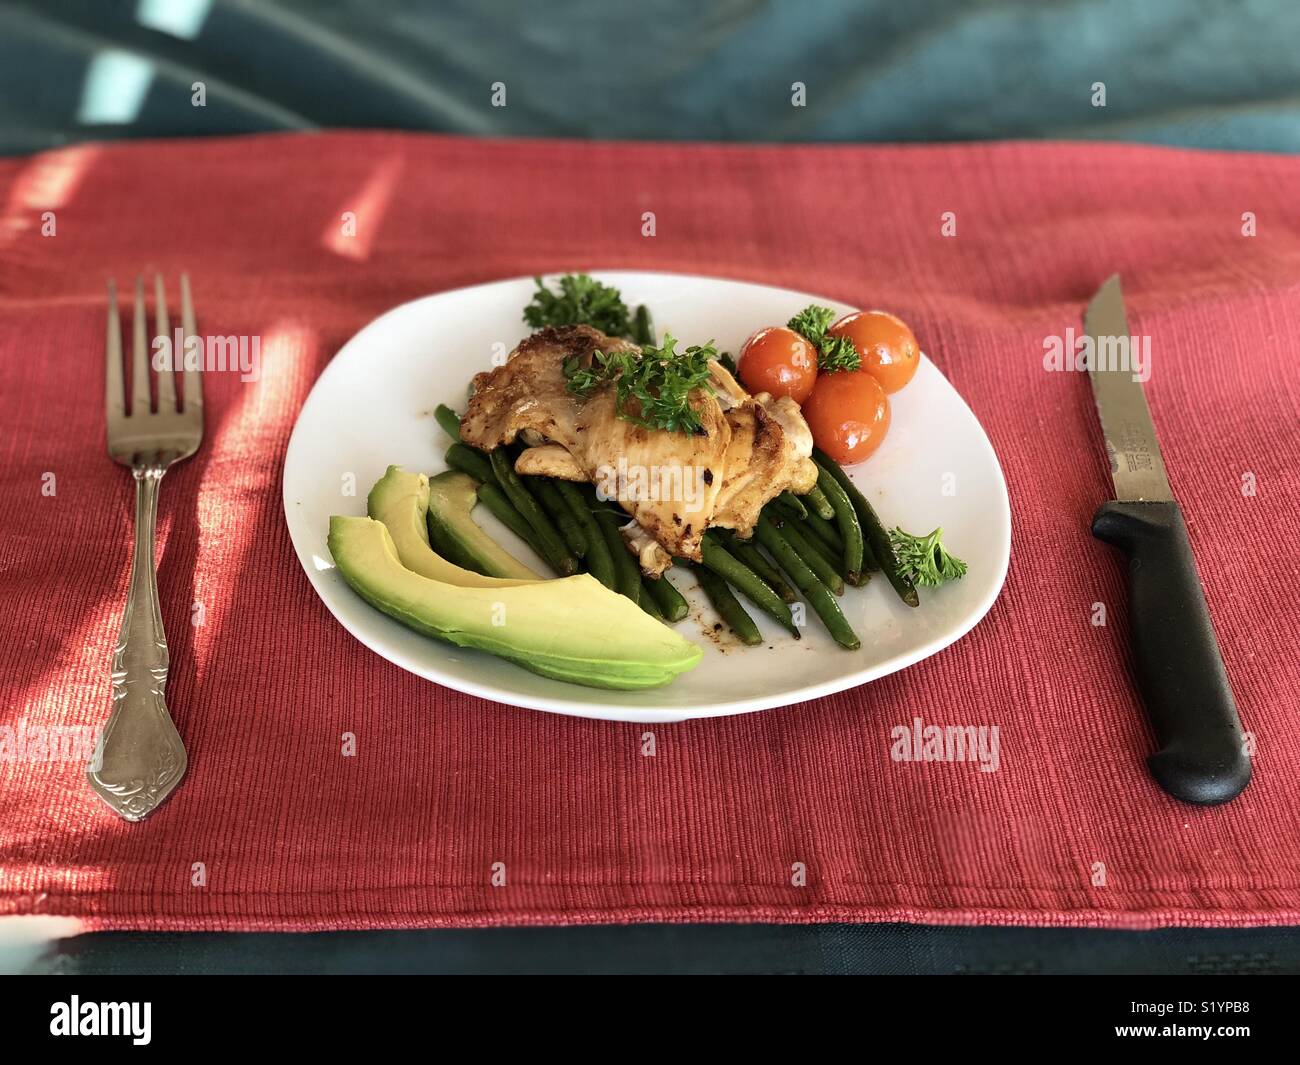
x,y
548,537
599,506
491,496
749,583
877,538
646,601
605,506
543,488
627,573
823,568
727,606
667,598
598,558
448,419
833,559
544,491
776,506
819,598
642,331
751,556
468,460
817,502
847,520
827,533
793,504
826,536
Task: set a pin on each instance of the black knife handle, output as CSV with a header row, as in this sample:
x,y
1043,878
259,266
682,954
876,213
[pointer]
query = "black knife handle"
x,y
1202,754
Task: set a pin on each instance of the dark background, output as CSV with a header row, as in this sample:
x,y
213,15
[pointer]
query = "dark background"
x,y
1198,73
1195,73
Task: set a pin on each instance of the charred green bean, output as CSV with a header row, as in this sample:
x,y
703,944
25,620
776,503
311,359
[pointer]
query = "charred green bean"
x,y
466,459
627,573
598,559
727,605
548,537
874,533
669,600
846,519
817,594
748,553
816,501
448,419
748,583
822,567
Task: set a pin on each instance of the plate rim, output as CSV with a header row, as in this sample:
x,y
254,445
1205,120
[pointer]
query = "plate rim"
x,y
637,714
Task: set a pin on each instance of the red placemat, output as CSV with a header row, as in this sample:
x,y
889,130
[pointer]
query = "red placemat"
x,y
289,834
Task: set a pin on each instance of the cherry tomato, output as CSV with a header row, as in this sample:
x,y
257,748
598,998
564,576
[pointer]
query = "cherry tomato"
x,y
886,345
848,413
778,360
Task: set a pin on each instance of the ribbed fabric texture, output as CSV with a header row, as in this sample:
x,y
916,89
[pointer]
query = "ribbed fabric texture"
x,y
293,835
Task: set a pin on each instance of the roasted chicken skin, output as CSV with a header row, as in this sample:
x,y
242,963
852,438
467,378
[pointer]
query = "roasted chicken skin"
x,y
675,485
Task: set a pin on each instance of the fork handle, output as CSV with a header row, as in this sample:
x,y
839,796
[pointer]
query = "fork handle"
x,y
139,758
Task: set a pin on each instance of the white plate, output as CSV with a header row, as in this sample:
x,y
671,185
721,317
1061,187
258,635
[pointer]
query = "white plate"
x,y
373,406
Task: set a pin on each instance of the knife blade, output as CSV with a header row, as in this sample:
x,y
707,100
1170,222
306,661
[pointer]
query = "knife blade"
x,y
1136,466
1201,754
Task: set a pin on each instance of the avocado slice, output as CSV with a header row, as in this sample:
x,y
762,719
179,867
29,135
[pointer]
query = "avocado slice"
x,y
452,495
572,629
401,500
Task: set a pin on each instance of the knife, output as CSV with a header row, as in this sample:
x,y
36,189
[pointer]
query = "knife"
x,y
1201,756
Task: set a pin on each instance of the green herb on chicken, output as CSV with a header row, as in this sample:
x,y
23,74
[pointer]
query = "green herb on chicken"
x,y
652,387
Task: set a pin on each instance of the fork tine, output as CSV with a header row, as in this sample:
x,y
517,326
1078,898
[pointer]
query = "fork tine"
x,y
163,325
139,356
193,377
114,386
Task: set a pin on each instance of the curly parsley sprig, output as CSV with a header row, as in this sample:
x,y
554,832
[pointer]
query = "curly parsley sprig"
x,y
812,321
652,387
924,558
833,353
582,300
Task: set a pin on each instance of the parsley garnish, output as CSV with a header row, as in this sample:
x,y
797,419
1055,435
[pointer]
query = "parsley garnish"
x,y
837,353
582,381
833,353
812,322
925,559
582,300
659,380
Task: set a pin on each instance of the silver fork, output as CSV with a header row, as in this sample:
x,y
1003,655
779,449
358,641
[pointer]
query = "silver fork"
x,y
139,758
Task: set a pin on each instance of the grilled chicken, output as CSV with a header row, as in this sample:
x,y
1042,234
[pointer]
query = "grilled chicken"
x,y
675,485
549,460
